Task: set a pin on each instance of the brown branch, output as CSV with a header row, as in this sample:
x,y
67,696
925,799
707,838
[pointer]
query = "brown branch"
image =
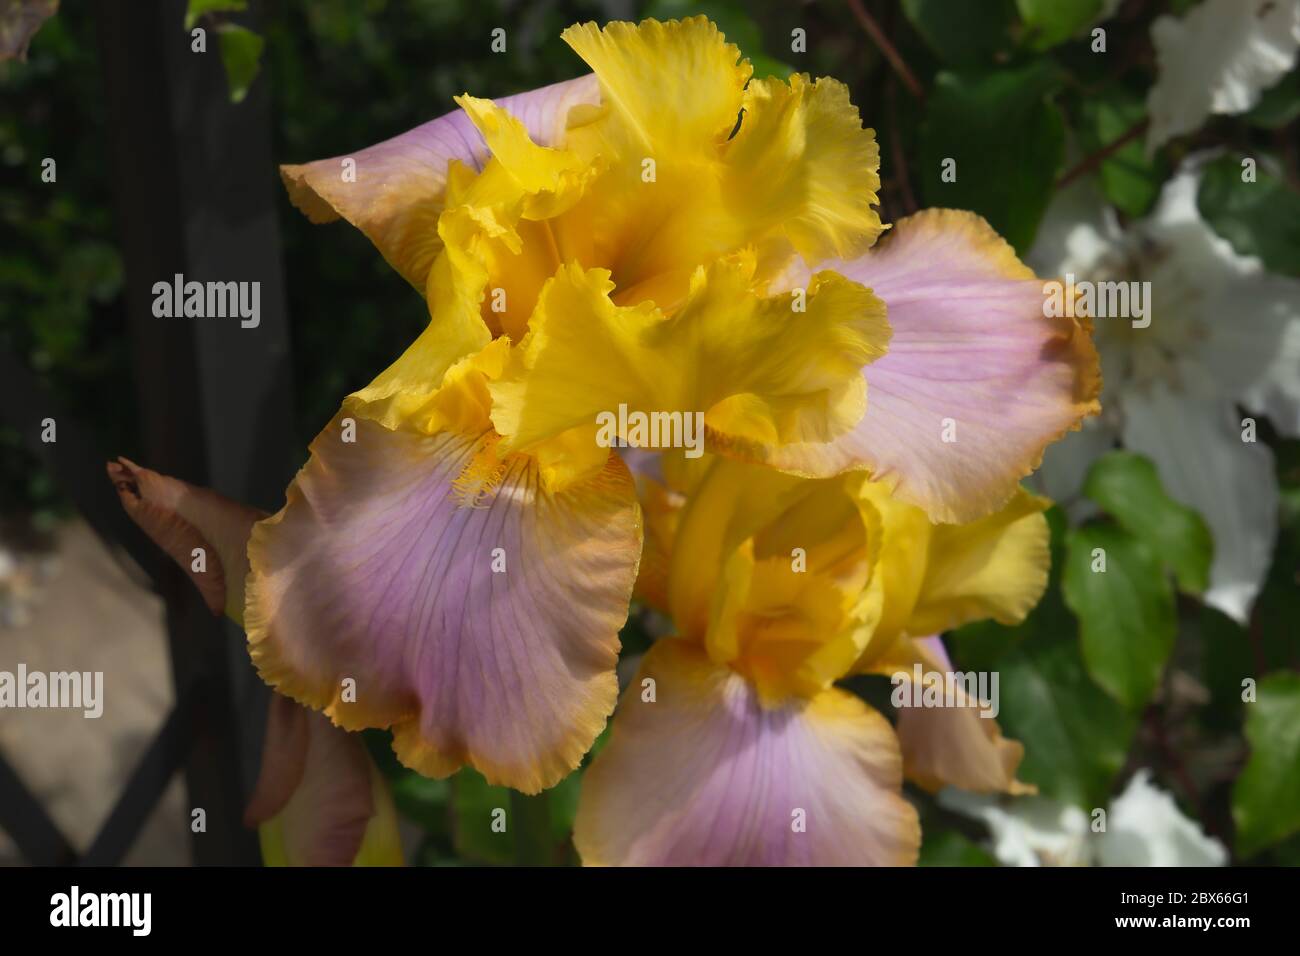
x,y
887,48
1092,161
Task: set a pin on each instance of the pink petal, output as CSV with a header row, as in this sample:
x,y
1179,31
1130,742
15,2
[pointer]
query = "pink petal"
x,y
706,775
970,344
379,569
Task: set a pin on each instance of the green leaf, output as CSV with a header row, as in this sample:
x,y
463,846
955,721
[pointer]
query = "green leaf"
x,y
1007,139
1129,179
1278,105
950,848
1049,22
198,8
962,33
1126,612
1266,797
241,54
1076,736
1128,487
1259,219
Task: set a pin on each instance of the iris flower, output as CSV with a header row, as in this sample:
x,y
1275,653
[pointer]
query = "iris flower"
x,y
666,234
732,746
319,800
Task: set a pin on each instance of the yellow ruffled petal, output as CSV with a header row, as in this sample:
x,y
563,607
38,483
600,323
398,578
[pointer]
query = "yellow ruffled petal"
x,y
996,568
661,510
732,503
674,88
497,252
903,554
797,633
401,394
549,179
686,184
757,373
801,163
769,572
936,577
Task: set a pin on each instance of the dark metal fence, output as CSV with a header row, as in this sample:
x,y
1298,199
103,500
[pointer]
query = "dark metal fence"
x,y
194,191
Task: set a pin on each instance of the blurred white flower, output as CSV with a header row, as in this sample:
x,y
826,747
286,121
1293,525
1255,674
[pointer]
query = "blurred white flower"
x,y
1222,332
1144,827
1217,59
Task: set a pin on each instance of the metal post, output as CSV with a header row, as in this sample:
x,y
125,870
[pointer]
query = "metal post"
x,y
194,188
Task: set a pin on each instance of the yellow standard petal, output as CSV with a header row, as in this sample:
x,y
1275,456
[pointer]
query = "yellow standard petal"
x,y
700,166
768,574
802,164
759,373
675,88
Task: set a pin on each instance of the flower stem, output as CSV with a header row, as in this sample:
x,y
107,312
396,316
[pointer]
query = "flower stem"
x,y
533,844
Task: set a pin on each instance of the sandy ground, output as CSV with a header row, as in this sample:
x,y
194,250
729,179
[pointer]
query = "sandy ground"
x,y
90,615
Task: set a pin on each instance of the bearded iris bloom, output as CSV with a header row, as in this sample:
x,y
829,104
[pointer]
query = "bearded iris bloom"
x,y
669,235
732,746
